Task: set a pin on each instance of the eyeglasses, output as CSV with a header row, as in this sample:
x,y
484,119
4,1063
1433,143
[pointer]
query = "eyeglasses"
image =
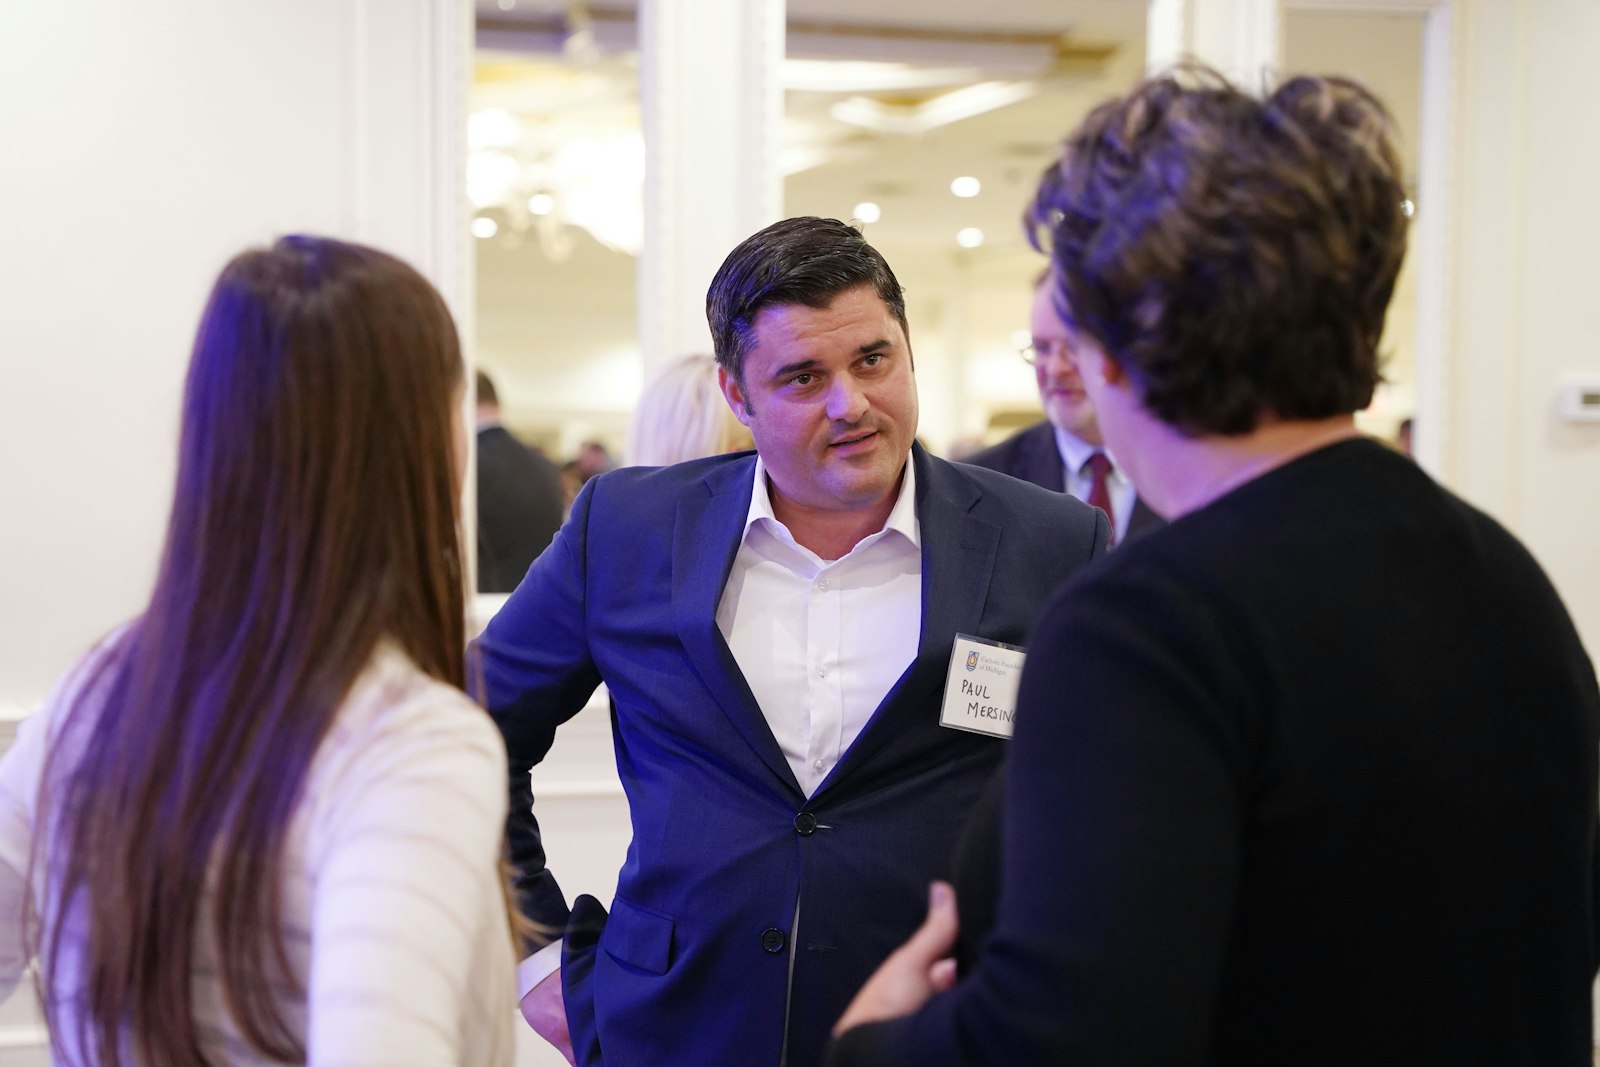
x,y
1043,351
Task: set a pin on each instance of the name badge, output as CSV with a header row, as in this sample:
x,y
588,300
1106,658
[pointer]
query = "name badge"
x,y
980,692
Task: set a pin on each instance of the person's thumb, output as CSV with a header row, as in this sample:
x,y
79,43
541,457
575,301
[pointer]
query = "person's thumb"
x,y
942,975
937,935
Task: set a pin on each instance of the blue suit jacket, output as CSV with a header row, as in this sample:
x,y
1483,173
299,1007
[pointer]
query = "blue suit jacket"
x,y
746,914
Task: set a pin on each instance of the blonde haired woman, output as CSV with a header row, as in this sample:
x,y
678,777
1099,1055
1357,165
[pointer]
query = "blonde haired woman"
x,y
682,415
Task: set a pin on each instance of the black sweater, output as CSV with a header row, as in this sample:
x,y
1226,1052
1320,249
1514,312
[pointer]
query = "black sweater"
x,y
1308,777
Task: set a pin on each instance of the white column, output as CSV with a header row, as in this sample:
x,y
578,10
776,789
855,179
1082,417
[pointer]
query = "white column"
x,y
1241,38
711,101
1438,151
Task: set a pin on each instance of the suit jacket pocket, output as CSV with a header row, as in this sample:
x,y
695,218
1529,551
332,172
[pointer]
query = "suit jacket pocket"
x,y
638,937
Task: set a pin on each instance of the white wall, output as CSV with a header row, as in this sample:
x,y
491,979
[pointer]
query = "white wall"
x,y
1525,302
144,145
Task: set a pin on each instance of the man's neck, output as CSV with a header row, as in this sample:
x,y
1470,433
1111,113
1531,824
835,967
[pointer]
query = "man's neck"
x,y
828,532
1183,474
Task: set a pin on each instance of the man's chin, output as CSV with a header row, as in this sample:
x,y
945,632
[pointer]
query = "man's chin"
x,y
1072,419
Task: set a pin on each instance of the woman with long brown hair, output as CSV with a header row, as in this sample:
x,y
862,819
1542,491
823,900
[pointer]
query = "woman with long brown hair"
x,y
261,823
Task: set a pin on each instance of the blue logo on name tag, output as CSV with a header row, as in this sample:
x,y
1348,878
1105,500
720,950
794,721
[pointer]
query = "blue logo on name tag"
x,y
972,660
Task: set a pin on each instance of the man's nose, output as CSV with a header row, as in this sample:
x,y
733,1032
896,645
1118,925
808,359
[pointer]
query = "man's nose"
x,y
847,401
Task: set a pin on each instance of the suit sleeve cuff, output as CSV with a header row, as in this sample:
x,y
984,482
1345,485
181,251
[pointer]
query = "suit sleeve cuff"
x,y
537,967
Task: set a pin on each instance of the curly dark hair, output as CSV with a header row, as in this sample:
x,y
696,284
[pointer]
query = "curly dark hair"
x,y
1234,255
804,260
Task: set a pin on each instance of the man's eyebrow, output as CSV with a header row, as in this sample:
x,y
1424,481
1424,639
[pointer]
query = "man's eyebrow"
x,y
794,368
868,349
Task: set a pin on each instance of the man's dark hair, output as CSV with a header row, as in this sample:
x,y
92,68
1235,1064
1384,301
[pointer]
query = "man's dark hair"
x,y
486,392
1235,256
806,260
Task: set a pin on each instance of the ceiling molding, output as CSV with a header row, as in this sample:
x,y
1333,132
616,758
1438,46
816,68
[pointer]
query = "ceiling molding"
x,y
1366,7
615,30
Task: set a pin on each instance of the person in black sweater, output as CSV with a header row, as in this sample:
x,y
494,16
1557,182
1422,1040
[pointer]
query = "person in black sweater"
x,y
1309,775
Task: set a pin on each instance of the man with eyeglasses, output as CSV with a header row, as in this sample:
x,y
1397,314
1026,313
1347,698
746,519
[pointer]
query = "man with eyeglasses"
x,y
1066,452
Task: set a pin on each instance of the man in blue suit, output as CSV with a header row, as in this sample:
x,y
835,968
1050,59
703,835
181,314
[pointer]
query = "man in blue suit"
x,y
774,630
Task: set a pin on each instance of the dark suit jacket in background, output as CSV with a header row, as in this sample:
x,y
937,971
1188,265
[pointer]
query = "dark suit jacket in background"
x,y
519,508
701,963
1032,455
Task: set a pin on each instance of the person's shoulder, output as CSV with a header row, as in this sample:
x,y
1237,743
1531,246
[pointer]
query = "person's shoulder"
x,y
1003,455
1014,492
395,706
1053,534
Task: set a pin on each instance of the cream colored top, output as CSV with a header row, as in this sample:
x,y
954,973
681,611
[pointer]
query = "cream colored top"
x,y
392,910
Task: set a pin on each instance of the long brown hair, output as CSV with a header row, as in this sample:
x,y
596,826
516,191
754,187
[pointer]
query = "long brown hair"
x,y
314,515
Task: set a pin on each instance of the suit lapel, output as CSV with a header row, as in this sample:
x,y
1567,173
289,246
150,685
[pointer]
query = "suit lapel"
x,y
958,557
705,539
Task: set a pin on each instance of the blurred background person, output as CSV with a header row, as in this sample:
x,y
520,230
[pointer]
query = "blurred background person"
x,y
682,415
1308,776
1066,452
261,823
520,498
593,458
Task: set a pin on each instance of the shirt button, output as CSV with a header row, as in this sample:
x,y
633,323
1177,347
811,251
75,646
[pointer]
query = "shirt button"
x,y
805,824
772,940
822,585
817,765
822,672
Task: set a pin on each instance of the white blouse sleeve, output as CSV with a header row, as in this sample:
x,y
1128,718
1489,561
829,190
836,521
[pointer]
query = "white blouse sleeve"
x,y
19,787
405,863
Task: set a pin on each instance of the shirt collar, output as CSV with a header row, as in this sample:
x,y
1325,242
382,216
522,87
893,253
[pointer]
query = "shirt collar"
x,y
1075,452
902,517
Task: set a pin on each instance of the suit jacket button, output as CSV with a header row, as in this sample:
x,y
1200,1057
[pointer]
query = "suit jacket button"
x,y
805,824
772,940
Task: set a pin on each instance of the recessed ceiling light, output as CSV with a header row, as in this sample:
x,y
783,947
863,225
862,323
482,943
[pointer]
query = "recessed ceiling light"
x,y
867,211
541,203
507,5
484,227
966,186
971,237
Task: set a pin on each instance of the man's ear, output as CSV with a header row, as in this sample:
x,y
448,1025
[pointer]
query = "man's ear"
x,y
734,394
1114,374
1092,362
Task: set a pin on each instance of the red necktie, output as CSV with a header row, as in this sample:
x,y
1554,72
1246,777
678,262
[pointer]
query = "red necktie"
x,y
1099,468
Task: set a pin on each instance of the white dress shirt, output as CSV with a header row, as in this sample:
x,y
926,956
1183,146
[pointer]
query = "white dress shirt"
x,y
1075,452
821,642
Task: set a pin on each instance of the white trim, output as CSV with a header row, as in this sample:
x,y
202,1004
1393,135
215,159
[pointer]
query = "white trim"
x,y
1367,7
711,133
1435,209
584,789
23,1036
